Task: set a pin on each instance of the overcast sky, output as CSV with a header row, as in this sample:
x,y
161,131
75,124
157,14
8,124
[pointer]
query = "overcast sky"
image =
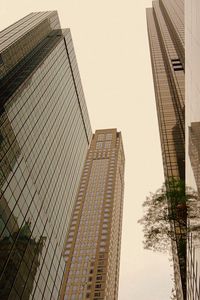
x,y
110,40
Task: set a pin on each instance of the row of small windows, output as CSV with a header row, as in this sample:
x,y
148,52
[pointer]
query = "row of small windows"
x,y
102,137
101,145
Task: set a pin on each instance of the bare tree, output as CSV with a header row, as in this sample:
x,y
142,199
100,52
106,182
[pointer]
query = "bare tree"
x,y
165,208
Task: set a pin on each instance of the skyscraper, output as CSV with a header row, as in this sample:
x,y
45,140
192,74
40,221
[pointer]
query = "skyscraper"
x,y
192,97
165,21
44,137
92,249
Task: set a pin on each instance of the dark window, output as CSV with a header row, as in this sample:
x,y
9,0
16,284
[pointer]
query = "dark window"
x,y
178,68
99,277
177,65
100,270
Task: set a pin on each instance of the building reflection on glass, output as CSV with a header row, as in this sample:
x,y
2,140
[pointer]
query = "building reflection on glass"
x,y
19,249
44,137
24,260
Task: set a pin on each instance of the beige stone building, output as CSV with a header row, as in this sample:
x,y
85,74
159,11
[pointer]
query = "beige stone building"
x,y
92,249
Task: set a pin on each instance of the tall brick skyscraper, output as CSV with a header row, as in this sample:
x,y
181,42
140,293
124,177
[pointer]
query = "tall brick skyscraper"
x,y
92,250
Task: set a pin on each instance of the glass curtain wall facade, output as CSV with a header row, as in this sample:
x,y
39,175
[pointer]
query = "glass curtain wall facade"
x,y
192,34
44,137
92,250
165,22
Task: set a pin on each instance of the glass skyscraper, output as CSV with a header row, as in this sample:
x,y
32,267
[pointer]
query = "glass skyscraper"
x,y
165,22
192,51
44,137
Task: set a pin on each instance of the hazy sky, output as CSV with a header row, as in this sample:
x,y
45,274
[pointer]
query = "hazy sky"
x,y
110,40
